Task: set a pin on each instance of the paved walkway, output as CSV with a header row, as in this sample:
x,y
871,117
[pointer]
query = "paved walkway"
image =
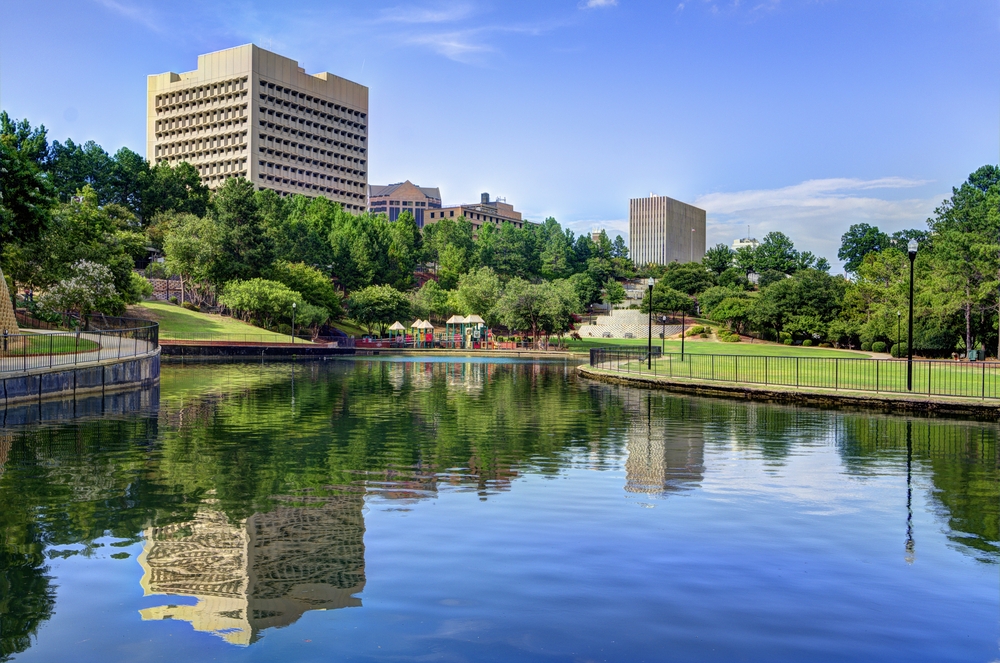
x,y
111,346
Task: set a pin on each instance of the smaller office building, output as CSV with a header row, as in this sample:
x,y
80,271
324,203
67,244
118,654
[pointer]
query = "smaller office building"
x,y
394,199
495,212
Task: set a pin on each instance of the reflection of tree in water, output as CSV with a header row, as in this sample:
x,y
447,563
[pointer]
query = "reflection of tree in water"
x,y
262,572
960,458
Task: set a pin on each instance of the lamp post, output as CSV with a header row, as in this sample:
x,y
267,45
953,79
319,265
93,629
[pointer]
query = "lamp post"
x,y
649,348
293,322
911,250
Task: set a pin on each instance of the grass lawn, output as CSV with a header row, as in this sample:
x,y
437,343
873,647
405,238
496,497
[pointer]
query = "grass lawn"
x,y
704,346
352,328
179,323
941,378
43,344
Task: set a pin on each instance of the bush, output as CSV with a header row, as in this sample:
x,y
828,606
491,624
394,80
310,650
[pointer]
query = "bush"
x,y
899,350
140,288
808,342
729,337
694,331
156,270
826,345
878,346
264,302
703,335
866,347
173,300
788,341
191,307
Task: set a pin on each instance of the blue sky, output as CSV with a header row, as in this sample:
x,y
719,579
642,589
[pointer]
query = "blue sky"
x,y
796,115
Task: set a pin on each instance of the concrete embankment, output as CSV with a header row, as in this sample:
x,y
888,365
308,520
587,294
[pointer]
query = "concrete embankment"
x,y
824,398
67,382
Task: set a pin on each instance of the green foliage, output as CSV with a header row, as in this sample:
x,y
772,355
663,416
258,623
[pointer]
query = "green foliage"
x,y
140,288
806,343
540,308
245,249
689,278
860,240
734,278
26,196
90,287
866,347
735,312
191,307
667,300
431,301
718,259
378,306
315,287
878,346
770,276
260,301
788,341
478,292
192,249
899,350
614,292
728,337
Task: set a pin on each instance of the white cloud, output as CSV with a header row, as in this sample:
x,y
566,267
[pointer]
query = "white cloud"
x,y
139,15
597,4
816,213
426,15
461,46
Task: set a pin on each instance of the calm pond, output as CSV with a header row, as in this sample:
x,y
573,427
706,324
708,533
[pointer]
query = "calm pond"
x,y
491,511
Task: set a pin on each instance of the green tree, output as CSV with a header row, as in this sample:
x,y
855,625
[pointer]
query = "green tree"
x,y
860,240
261,301
614,292
776,252
378,306
89,288
315,287
191,247
689,277
667,300
245,249
478,292
719,258
430,301
26,195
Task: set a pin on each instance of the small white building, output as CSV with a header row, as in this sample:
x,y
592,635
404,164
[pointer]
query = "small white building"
x,y
745,242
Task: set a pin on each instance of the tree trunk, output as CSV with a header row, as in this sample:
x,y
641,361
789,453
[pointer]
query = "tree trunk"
x,y
968,327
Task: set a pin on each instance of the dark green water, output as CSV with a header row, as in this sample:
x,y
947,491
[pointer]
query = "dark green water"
x,y
492,511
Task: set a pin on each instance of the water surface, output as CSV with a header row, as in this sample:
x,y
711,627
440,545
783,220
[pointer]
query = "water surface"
x,y
491,511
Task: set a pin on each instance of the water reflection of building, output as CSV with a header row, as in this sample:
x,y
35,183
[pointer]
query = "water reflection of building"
x,y
262,572
665,454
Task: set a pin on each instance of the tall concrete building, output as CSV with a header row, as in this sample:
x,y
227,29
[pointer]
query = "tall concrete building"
x,y
247,112
662,230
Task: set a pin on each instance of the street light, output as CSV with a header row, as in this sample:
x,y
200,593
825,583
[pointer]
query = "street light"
x,y
293,322
911,250
649,348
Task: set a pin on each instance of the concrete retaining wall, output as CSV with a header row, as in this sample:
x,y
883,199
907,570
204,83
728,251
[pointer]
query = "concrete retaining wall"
x,y
69,382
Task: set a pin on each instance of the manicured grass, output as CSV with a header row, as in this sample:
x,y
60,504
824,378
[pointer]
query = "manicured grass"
x,y
940,378
179,323
39,344
704,346
352,328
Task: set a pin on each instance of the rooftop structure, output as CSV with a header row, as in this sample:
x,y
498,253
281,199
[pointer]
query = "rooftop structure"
x,y
495,212
662,230
247,112
394,199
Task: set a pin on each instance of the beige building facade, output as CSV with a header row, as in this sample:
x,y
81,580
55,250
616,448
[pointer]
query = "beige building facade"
x,y
247,112
495,212
662,230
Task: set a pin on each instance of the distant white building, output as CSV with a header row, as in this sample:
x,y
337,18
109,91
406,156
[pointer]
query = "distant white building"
x,y
745,242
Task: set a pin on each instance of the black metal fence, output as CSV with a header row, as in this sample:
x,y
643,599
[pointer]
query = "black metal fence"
x,y
25,352
930,378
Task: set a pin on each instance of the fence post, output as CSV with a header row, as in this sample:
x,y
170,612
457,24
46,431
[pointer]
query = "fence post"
x,y
836,373
929,377
737,362
713,368
984,380
50,350
797,372
877,362
766,368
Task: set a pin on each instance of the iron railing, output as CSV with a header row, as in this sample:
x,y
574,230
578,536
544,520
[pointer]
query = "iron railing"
x,y
930,377
25,352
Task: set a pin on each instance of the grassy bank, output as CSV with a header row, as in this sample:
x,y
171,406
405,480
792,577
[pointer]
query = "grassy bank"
x,y
180,323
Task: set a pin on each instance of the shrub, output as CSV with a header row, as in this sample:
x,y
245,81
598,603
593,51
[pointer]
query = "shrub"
x,y
191,307
729,337
899,350
173,300
140,287
866,347
878,346
788,341
262,301
694,331
826,345
703,335
156,270
808,342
